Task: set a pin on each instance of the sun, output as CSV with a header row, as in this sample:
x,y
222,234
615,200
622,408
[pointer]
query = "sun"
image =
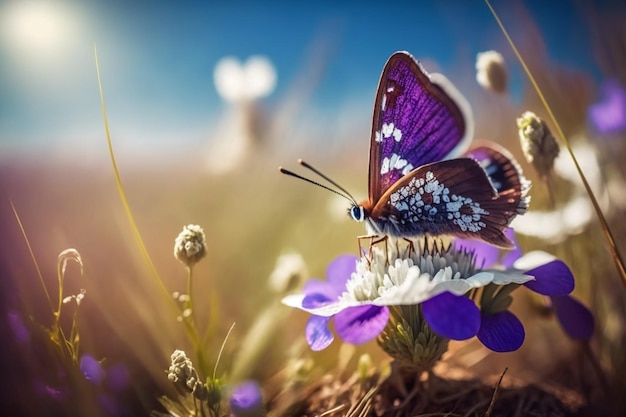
x,y
36,27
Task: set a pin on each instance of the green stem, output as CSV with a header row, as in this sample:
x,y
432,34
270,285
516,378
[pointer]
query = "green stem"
x,y
192,328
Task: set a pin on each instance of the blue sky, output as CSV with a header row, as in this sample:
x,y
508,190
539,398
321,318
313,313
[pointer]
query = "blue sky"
x,y
157,58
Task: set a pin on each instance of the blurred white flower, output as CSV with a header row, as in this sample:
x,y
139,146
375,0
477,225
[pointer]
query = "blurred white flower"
x,y
572,218
490,71
288,273
243,124
235,81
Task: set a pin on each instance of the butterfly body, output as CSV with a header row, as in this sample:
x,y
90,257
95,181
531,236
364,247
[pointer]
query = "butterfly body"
x,y
420,122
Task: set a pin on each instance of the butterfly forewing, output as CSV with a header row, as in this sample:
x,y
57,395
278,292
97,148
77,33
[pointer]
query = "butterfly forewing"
x,y
415,122
449,197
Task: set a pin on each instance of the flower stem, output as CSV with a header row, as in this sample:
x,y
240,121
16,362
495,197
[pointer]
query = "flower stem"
x,y
617,258
192,328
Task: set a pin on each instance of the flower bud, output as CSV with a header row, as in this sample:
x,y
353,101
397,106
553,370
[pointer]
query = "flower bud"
x,y
538,144
190,245
491,72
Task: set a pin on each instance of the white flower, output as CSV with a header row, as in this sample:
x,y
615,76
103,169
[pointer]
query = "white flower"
x,y
409,274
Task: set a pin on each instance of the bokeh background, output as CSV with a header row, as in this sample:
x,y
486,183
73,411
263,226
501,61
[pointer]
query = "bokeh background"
x,y
206,99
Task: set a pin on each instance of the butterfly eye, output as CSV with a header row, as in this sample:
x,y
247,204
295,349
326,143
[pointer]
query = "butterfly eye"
x,y
357,213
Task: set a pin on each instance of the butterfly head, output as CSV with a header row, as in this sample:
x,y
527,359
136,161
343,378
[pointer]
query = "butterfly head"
x,y
357,213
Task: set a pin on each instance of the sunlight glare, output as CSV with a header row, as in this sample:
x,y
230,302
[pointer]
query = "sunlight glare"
x,y
36,27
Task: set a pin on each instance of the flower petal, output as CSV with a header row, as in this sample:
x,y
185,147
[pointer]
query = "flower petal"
x,y
316,300
361,324
553,278
246,400
533,260
118,378
513,255
575,318
486,255
340,270
510,276
452,316
501,332
91,369
318,336
318,286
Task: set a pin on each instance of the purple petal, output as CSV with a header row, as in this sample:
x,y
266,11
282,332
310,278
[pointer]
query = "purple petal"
x,y
57,394
118,378
361,324
452,316
553,279
513,255
486,255
316,300
340,270
575,318
609,114
501,332
318,286
19,330
247,400
91,369
317,334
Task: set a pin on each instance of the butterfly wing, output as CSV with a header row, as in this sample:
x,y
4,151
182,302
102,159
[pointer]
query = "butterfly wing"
x,y
418,119
454,197
506,176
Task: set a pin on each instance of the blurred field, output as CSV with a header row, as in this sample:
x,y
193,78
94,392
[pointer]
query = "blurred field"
x,y
253,214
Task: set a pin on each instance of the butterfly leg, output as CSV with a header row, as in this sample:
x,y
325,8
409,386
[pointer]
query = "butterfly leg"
x,y
411,246
374,240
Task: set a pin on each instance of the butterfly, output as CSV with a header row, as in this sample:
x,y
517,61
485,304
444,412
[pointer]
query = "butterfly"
x,y
420,122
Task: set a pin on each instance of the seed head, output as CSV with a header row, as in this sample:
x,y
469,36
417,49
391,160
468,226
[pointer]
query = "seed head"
x,y
538,144
190,245
491,71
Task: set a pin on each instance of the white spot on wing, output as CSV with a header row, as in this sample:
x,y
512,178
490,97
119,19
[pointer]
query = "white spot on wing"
x,y
409,201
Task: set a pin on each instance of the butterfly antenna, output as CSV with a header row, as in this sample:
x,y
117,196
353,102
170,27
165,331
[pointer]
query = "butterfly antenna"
x,y
309,166
310,181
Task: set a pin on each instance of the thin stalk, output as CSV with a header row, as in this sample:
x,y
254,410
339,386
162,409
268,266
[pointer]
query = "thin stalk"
x,y
617,258
192,329
118,181
32,256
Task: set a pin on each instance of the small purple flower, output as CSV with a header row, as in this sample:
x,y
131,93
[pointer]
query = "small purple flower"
x,y
91,369
360,293
608,115
246,400
118,378
500,330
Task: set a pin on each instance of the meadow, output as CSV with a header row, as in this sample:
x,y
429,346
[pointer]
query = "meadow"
x,y
266,234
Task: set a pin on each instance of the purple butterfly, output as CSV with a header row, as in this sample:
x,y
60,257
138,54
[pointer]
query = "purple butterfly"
x,y
420,121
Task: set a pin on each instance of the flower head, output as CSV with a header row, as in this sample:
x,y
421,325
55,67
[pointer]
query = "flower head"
x,y
246,400
182,372
190,245
491,71
608,115
91,369
538,144
288,273
408,294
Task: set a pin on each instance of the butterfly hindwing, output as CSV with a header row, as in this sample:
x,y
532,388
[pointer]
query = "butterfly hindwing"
x,y
506,176
453,197
418,119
